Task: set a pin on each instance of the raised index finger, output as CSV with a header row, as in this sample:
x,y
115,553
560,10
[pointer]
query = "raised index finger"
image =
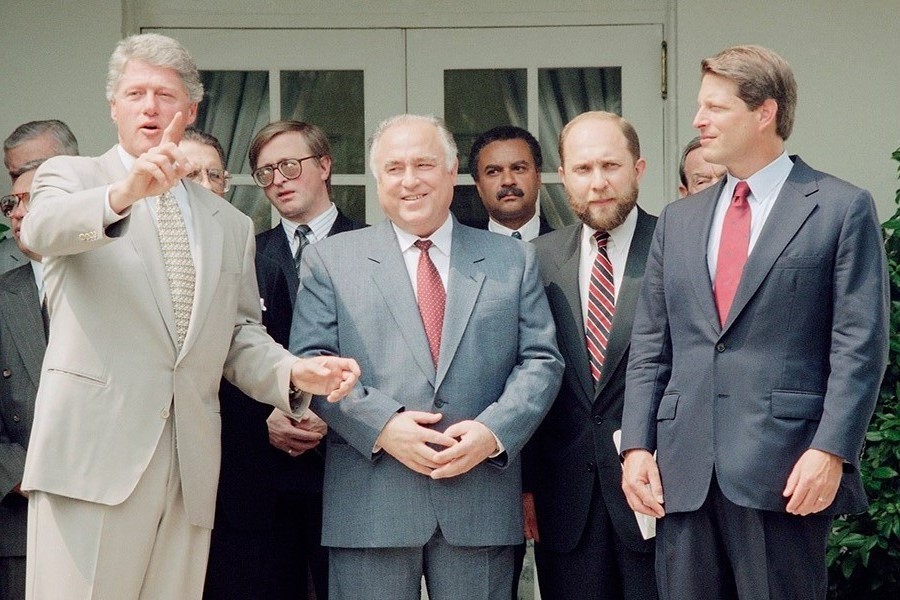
x,y
175,131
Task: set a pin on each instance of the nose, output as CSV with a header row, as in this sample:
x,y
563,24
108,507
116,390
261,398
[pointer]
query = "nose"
x,y
598,179
151,104
18,212
506,177
410,177
699,119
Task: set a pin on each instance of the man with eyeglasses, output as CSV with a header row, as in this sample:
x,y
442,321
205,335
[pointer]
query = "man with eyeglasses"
x,y
208,159
26,146
291,162
23,340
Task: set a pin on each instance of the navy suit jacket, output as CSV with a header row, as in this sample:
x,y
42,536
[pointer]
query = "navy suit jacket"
x,y
573,451
22,347
797,364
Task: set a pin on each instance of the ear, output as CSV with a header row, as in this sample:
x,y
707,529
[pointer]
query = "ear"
x,y
112,110
639,167
768,113
682,191
191,115
325,165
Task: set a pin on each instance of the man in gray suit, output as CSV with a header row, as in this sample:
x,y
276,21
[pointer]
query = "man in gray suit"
x,y
759,344
23,339
453,334
24,149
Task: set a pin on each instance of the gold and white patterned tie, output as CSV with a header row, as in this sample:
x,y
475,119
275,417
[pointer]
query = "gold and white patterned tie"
x,y
176,252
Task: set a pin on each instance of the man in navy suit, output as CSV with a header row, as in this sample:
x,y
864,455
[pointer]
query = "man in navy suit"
x,y
267,540
759,344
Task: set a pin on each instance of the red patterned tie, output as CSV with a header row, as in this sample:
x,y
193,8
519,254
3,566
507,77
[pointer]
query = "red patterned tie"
x,y
601,306
733,246
431,297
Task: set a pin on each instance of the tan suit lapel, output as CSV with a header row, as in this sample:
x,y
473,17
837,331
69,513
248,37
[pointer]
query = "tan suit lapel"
x,y
209,239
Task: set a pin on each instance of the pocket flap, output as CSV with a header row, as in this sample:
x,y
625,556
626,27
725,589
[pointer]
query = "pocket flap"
x,y
787,404
667,406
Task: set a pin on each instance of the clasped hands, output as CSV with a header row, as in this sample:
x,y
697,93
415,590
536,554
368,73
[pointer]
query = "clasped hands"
x,y
460,447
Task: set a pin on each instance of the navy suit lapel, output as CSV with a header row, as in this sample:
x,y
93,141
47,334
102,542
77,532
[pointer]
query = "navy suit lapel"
x,y
620,336
463,285
695,257
390,277
564,296
22,313
791,209
277,248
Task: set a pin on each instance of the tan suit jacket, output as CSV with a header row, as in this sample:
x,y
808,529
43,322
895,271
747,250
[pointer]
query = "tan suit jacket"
x,y
112,372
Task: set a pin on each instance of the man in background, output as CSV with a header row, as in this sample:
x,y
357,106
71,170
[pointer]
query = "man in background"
x,y
694,173
506,165
588,543
23,150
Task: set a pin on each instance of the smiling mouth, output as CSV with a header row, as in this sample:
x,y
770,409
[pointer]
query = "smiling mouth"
x,y
414,198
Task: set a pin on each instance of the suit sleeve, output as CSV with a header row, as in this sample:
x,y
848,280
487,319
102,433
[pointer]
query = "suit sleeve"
x,y
533,383
66,215
859,333
12,460
361,415
650,357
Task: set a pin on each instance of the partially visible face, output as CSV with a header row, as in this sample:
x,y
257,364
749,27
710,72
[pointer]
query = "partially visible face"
x,y
729,129
38,148
508,182
306,197
415,187
21,185
203,157
600,175
699,173
145,102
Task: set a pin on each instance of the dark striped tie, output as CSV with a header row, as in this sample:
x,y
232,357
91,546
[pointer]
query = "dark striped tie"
x,y
302,234
601,306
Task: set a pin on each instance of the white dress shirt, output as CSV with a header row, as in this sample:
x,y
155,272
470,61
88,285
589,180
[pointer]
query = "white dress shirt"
x,y
319,228
528,231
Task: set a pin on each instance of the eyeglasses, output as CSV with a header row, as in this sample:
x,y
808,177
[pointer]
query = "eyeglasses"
x,y
219,180
291,168
8,203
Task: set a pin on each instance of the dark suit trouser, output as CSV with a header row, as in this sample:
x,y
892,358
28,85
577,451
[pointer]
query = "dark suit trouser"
x,y
12,577
271,564
600,567
451,572
726,551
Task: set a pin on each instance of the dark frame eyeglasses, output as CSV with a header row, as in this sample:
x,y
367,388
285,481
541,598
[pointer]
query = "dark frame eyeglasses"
x,y
219,179
290,168
9,202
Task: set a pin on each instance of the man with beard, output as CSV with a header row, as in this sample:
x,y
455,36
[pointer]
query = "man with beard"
x,y
506,165
589,545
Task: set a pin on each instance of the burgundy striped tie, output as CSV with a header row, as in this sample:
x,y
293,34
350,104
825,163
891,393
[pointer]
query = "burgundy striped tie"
x,y
601,306
431,297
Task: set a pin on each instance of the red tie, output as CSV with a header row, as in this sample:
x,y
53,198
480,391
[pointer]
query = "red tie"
x,y
733,246
601,306
431,297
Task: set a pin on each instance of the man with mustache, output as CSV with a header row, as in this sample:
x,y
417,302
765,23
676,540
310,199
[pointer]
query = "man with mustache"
x,y
588,545
506,165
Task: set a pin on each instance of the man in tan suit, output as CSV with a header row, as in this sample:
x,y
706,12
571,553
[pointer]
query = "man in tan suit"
x,y
152,291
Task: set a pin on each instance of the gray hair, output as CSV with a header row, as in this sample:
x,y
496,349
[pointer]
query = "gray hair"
x,y
159,51
444,136
63,138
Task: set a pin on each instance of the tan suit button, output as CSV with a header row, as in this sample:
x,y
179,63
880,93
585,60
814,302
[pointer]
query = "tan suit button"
x,y
164,413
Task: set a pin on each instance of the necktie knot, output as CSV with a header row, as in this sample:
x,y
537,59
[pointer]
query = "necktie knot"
x,y
423,245
602,238
741,193
516,235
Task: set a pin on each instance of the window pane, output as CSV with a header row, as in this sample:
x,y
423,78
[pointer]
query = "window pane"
x,y
351,199
333,101
564,94
476,100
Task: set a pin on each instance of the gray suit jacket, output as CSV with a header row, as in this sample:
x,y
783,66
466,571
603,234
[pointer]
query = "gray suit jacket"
x,y
10,255
112,369
22,345
797,364
498,364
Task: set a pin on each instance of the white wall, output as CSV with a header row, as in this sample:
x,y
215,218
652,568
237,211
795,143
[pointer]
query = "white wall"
x,y
845,56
